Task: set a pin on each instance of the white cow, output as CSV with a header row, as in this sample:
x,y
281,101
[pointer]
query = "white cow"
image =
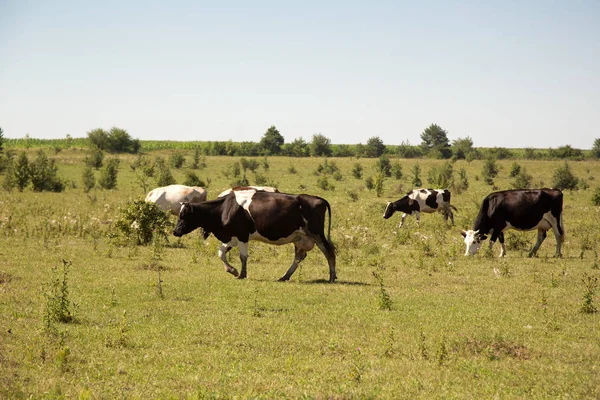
x,y
255,188
169,198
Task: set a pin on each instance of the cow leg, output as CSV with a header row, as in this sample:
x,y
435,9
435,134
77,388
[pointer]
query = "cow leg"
x,y
503,248
540,239
329,252
451,215
402,221
299,255
223,254
559,239
418,217
243,258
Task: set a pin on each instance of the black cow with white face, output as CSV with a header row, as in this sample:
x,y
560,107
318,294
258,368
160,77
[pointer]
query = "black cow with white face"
x,y
524,210
274,218
422,200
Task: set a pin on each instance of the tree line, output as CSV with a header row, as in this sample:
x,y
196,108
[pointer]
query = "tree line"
x,y
434,144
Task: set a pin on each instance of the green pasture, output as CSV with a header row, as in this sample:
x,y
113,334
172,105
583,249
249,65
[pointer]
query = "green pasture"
x,y
409,317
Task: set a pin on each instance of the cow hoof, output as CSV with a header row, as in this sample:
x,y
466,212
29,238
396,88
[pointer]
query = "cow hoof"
x,y
241,277
233,272
283,279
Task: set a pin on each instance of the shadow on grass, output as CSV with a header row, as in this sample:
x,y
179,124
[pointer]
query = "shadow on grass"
x,y
337,282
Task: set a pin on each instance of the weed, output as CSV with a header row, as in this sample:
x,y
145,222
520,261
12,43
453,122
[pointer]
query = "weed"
x,y
120,338
553,281
58,307
442,354
385,301
159,288
423,352
590,284
62,358
390,350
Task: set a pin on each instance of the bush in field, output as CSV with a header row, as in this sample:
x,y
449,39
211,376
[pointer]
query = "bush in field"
x,y
463,182
95,158
58,307
191,179
164,177
369,183
384,166
357,170
89,181
596,197
44,174
116,140
522,180
198,162
490,170
379,177
140,220
441,176
563,178
176,160
108,174
239,181
416,179
328,168
596,148
324,183
397,171
20,172
515,168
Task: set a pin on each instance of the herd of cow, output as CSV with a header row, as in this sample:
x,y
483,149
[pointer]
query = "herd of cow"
x,y
261,213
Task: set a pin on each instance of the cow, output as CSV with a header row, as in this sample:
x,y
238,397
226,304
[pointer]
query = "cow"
x,y
524,210
422,200
274,218
261,188
169,198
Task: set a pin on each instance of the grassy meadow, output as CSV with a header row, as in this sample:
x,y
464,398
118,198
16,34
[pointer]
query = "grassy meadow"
x,y
409,317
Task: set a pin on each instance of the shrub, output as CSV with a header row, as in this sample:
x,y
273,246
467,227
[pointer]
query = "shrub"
x,y
164,177
379,184
44,174
596,197
416,179
95,158
522,180
176,160
116,140
563,178
108,174
20,172
463,181
369,184
441,176
141,221
328,167
490,170
89,181
191,179
198,162
515,169
357,170
384,166
324,183
397,171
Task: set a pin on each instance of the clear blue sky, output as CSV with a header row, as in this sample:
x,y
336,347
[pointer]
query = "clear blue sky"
x,y
506,73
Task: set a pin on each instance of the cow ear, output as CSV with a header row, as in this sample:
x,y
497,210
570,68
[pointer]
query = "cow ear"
x,y
464,233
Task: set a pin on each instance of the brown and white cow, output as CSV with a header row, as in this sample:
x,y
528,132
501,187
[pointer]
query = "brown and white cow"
x,y
258,188
274,218
524,210
169,198
422,200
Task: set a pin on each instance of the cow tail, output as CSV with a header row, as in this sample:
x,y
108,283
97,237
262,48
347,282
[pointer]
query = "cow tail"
x,y
329,228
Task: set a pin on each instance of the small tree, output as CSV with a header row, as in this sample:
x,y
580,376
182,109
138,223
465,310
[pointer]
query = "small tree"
x,y
384,166
21,171
191,179
320,146
176,160
596,148
95,158
416,179
141,220
515,169
89,181
357,170
298,148
441,176
489,171
196,160
463,181
271,141
435,142
522,180
164,177
563,178
108,174
44,174
462,147
397,170
374,147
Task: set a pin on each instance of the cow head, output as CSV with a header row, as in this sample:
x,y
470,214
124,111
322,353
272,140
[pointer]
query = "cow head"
x,y
389,210
186,221
473,241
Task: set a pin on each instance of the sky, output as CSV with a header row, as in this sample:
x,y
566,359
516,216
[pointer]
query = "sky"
x,y
505,73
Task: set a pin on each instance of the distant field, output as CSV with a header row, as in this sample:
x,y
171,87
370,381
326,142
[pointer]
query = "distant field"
x,y
168,322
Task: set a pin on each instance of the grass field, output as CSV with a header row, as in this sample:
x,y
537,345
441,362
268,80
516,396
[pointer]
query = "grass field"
x,y
410,316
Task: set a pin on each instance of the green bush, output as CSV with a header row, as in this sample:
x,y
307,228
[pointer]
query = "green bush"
x,y
164,177
89,181
563,178
522,180
515,169
176,160
191,179
108,174
596,197
20,172
416,179
397,171
95,158
384,166
490,170
44,174
324,183
357,170
441,176
140,220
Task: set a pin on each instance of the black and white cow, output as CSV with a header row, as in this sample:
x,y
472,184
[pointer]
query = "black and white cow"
x,y
422,200
274,218
524,210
